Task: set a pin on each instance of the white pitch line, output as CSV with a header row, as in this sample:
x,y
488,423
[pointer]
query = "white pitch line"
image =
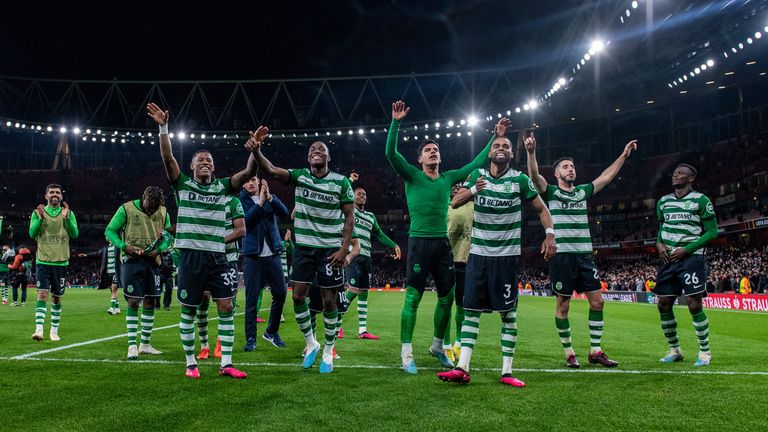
x,y
393,367
93,341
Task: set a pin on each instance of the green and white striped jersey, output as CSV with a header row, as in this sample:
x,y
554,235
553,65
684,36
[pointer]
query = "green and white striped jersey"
x,y
319,221
233,210
682,219
112,252
570,218
497,217
365,224
202,213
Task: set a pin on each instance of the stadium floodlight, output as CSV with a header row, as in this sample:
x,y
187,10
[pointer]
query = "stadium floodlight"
x,y
450,123
670,85
458,134
509,112
48,129
149,134
103,140
758,35
338,132
23,125
63,130
634,4
469,133
192,136
685,77
741,45
87,131
437,124
517,109
710,62
627,13
372,131
93,139
472,120
8,124
38,127
437,136
463,122
76,131
561,81
182,135
202,136
122,140
533,104
526,107
765,29
85,138
556,87
703,67
749,40
112,140
587,56
697,71
583,62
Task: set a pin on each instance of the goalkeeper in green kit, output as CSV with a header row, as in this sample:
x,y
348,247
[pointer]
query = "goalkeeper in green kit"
x,y
427,192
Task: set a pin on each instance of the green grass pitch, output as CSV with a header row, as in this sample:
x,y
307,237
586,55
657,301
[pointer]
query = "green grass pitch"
x,y
92,386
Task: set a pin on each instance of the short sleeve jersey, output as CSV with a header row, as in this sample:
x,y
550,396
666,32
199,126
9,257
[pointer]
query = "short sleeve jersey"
x,y
497,218
570,217
201,221
319,220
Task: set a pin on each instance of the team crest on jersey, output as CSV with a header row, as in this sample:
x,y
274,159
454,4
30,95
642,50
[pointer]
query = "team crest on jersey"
x,y
578,195
417,268
507,187
688,205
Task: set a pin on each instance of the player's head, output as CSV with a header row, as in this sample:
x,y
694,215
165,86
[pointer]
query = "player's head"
x,y
252,185
360,197
152,199
455,189
429,153
53,194
318,156
202,165
501,151
565,170
683,176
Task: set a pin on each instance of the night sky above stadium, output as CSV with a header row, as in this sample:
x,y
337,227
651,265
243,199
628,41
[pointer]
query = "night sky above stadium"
x,y
282,40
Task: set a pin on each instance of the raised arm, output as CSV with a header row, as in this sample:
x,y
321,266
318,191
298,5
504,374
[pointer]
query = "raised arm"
x,y
253,145
398,162
533,165
610,173
482,158
172,170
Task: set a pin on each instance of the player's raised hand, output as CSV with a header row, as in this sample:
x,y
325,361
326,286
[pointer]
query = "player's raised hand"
x,y
530,144
353,177
501,127
40,210
159,116
632,145
548,247
399,110
64,210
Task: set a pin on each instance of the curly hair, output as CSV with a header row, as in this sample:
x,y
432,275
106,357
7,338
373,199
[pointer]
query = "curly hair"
x,y
155,195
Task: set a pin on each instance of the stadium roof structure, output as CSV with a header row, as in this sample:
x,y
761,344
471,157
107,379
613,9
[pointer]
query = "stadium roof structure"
x,y
335,70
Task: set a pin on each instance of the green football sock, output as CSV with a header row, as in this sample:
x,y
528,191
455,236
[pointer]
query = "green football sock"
x,y
362,311
202,324
508,340
595,330
258,301
187,333
226,336
305,322
408,314
40,310
55,317
351,296
443,314
330,327
564,329
132,324
469,331
147,323
459,322
669,327
701,326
